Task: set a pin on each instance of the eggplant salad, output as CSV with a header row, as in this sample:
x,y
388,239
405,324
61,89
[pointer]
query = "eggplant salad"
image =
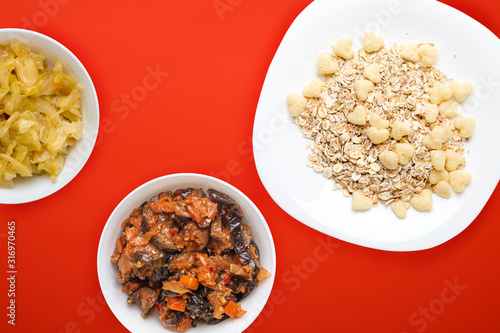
x,y
189,256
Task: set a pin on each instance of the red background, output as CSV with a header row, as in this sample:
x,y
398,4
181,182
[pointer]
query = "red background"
x,y
200,119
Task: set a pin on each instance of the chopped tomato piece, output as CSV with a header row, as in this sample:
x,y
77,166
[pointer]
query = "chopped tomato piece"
x,y
119,244
174,231
204,274
195,213
161,310
177,303
211,209
206,271
189,282
130,233
136,221
227,278
203,207
165,206
234,310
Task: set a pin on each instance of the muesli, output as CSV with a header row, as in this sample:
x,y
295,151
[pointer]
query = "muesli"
x,y
385,125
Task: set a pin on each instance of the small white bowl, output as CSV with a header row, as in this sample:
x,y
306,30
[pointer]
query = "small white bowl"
x,y
130,315
37,187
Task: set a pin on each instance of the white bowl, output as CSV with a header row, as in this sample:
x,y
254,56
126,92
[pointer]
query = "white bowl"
x,y
130,315
37,187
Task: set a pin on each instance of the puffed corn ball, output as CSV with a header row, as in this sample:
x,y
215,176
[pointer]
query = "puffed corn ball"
x,y
372,73
360,201
465,125
428,54
377,121
400,208
460,91
296,104
362,88
459,179
449,108
372,42
389,159
431,142
431,113
327,64
453,160
409,52
438,159
343,48
405,152
377,135
443,189
423,201
400,129
436,176
439,92
313,89
358,116
441,133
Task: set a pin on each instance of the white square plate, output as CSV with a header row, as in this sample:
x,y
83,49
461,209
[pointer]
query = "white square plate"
x,y
467,52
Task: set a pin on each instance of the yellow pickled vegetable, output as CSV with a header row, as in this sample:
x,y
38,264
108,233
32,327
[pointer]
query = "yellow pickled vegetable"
x,y
40,115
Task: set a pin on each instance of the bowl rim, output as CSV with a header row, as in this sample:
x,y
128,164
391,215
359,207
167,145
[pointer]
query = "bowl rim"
x,y
131,195
90,140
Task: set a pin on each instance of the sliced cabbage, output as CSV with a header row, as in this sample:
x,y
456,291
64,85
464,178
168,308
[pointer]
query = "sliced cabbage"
x,y
40,115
